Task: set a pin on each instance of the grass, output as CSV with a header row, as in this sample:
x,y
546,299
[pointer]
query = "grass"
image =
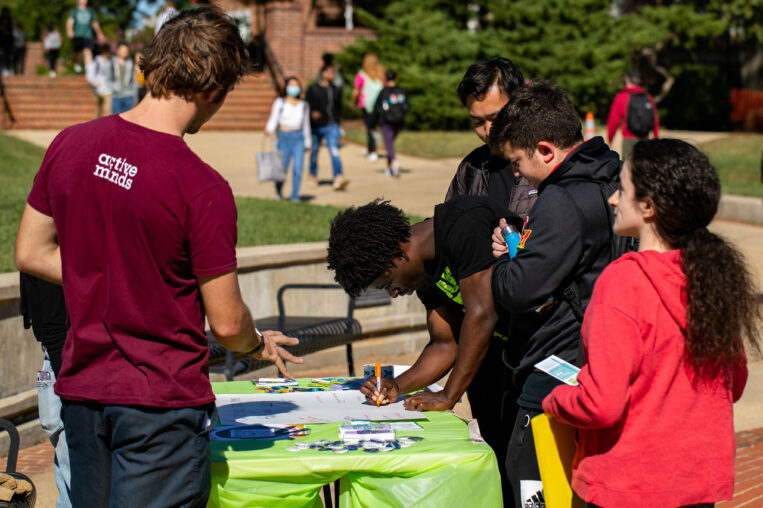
x,y
738,159
260,221
426,144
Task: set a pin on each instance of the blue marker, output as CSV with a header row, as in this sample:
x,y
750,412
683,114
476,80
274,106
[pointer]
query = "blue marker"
x,y
510,236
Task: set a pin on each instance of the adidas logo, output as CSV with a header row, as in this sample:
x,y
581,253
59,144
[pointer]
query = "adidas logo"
x,y
535,501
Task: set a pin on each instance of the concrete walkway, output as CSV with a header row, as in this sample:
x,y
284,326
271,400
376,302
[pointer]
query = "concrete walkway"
x,y
422,185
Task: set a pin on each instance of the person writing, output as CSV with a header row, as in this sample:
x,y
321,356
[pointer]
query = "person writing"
x,y
654,407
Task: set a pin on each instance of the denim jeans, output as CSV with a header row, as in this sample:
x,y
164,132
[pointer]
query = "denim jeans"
x,y
331,133
138,456
292,146
121,104
49,406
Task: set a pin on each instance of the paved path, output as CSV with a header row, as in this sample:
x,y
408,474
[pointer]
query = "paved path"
x,y
422,184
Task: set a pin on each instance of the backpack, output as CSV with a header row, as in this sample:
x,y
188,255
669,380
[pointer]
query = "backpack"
x,y
618,245
640,115
394,108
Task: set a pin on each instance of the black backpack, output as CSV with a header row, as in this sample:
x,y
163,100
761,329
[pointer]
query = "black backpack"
x,y
394,107
618,245
640,115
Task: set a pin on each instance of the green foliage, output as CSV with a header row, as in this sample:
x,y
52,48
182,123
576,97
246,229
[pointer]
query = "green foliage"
x,y
18,165
577,43
426,47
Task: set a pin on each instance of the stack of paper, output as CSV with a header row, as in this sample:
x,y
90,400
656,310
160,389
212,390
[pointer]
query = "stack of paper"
x,y
367,431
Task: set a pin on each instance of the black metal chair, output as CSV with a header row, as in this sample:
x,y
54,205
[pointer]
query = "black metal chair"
x,y
315,333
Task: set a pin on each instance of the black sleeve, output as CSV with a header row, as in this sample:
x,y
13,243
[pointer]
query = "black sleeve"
x,y
43,306
549,252
467,243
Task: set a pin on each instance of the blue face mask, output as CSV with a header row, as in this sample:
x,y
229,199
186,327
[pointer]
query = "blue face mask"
x,y
293,90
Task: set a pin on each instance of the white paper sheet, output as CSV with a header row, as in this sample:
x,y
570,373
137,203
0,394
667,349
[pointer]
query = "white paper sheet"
x,y
306,407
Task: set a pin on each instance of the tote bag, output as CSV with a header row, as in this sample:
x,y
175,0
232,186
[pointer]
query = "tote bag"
x,y
270,165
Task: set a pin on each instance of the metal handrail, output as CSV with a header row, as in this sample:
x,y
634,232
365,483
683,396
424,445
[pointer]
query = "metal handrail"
x,y
275,68
6,105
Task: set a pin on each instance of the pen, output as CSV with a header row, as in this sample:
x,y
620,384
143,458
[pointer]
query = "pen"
x,y
377,373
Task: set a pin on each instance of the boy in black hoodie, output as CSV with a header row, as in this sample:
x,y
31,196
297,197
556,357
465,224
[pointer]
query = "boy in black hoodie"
x,y
565,243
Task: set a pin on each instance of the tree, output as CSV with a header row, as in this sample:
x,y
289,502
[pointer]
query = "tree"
x,y
578,43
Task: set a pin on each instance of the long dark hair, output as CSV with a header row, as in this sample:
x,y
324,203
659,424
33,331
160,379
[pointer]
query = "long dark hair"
x,y
723,309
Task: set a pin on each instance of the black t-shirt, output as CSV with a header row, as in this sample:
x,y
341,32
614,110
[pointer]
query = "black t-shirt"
x,y
463,228
43,308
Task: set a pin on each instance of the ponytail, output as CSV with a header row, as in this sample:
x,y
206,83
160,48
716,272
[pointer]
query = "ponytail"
x,y
722,306
722,303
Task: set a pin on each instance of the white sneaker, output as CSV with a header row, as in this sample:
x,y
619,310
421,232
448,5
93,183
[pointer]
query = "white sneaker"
x,y
387,172
396,168
77,69
372,157
52,74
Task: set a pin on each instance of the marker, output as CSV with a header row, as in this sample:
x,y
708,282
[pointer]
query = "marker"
x,y
377,373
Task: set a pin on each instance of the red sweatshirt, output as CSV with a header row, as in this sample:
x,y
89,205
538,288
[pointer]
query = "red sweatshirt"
x,y
619,109
649,434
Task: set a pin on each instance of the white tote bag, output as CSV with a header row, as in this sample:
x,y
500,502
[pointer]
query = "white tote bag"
x,y
270,165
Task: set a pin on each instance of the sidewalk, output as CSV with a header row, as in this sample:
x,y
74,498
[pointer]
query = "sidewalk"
x,y
422,185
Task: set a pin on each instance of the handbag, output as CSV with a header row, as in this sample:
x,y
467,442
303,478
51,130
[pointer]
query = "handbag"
x,y
270,165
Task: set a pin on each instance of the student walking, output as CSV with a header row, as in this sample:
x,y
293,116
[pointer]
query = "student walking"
x,y
368,84
325,100
290,118
51,42
389,112
654,407
634,112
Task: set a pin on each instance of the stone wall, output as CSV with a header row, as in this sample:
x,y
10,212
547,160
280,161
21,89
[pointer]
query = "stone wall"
x,y
262,270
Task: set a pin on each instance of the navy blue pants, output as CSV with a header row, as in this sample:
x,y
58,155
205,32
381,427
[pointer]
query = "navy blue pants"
x,y
138,456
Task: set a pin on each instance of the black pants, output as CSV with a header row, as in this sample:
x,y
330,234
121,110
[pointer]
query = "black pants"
x,y
368,120
52,58
522,463
494,405
138,456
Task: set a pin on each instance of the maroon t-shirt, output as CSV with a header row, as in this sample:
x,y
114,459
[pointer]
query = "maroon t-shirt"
x,y
139,217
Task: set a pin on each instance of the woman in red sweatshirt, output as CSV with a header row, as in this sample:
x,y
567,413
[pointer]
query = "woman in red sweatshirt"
x,y
663,337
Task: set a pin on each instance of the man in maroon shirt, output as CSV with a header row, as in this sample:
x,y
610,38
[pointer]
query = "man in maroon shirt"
x,y
142,235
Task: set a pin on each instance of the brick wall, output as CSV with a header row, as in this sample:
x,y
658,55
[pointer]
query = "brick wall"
x,y
327,39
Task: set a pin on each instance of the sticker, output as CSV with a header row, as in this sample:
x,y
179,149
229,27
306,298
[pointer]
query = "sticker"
x,y
531,494
525,236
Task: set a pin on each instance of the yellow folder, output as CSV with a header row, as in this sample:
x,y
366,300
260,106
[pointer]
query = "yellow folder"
x,y
555,448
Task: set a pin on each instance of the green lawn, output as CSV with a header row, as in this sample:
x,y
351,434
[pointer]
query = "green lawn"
x,y
736,157
260,221
738,160
426,144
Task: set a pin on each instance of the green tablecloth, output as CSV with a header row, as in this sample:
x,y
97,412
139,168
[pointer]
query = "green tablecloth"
x,y
444,469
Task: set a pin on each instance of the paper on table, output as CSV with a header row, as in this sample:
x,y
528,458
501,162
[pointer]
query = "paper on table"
x,y
306,407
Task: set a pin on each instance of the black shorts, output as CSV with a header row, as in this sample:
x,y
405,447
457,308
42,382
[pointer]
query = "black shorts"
x,y
81,43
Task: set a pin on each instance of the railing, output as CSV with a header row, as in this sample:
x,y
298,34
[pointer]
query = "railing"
x,y
279,77
7,113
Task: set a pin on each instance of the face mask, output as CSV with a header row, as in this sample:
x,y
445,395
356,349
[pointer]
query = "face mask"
x,y
293,90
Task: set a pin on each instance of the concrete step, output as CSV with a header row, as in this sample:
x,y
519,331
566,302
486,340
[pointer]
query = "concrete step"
x,y
39,102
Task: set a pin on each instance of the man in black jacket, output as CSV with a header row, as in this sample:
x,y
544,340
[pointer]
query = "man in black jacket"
x,y
325,100
565,243
485,88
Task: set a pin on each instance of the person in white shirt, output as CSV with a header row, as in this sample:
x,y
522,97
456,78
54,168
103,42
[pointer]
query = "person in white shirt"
x,y
290,117
51,42
97,74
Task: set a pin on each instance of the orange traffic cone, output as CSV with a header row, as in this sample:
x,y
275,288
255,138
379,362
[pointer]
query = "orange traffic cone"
x,y
590,130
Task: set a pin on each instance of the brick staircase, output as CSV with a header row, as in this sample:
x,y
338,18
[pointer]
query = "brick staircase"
x,y
38,102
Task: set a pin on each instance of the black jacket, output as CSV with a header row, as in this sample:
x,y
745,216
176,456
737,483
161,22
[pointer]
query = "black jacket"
x,y
328,101
566,240
483,174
